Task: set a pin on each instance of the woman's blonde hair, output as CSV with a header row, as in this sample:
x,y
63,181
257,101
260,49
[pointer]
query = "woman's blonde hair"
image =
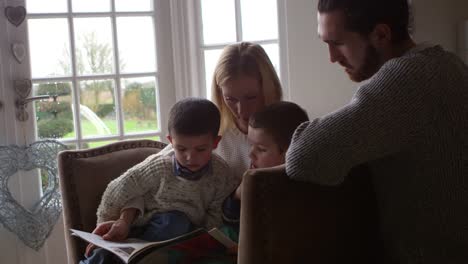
x,y
248,59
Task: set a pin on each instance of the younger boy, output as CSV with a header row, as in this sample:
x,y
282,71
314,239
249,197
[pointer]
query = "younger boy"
x,y
270,132
174,191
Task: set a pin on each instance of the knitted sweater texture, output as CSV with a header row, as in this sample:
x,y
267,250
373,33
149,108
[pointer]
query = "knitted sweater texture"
x,y
234,149
153,181
409,123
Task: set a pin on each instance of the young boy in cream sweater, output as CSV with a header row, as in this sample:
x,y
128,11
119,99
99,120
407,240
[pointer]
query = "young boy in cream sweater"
x,y
171,192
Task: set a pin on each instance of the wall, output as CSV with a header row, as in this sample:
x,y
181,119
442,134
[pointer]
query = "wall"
x,y
321,87
436,21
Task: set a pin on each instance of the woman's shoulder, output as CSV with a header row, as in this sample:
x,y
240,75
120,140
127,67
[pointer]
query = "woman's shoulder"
x,y
233,138
221,168
218,162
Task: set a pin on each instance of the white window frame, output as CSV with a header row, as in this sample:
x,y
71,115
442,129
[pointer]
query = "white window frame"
x,y
165,94
189,65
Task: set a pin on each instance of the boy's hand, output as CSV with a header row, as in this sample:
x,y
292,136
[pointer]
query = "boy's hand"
x,y
110,230
89,249
117,230
101,230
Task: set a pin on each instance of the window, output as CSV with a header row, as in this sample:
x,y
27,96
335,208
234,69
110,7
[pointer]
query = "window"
x,y
111,62
100,58
223,22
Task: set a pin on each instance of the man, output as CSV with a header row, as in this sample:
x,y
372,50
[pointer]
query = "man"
x,y
408,122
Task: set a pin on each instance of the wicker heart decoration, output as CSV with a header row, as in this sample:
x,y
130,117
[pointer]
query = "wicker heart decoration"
x,y
31,226
19,51
16,14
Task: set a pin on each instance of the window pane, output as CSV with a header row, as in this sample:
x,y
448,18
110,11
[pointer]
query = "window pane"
x,y
134,5
139,98
94,50
259,28
272,51
155,138
90,5
95,144
219,21
136,44
49,58
97,108
54,119
211,58
46,6
70,146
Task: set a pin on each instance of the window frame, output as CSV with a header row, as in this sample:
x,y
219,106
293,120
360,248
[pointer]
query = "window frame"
x,y
189,64
164,77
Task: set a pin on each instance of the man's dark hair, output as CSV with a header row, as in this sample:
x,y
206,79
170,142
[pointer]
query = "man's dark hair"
x,y
194,117
362,16
280,120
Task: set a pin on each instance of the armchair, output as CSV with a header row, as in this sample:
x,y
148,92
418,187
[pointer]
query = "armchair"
x,y
283,221
84,175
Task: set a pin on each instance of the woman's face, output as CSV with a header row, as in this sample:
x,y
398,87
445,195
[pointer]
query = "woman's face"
x,y
243,96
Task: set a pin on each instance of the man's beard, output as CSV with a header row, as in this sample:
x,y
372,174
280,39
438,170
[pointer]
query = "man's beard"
x,y
372,63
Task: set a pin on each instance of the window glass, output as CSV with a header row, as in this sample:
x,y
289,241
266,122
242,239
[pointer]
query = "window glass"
x,y
95,144
230,21
54,119
139,105
94,51
259,19
134,5
219,21
136,50
46,6
211,58
49,47
97,108
91,5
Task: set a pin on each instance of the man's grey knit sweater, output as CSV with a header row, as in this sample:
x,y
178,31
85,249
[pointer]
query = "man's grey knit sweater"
x,y
409,124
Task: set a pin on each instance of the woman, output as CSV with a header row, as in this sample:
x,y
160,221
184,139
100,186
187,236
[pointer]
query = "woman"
x,y
244,82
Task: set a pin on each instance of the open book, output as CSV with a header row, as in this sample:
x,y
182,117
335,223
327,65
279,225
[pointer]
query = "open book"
x,y
135,250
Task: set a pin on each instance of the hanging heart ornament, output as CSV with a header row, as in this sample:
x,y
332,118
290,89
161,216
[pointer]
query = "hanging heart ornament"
x,y
15,14
19,51
22,87
33,225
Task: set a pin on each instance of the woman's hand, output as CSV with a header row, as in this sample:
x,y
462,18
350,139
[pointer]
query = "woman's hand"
x,y
110,230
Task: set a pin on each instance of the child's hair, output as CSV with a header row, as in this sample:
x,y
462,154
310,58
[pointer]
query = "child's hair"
x,y
280,120
193,117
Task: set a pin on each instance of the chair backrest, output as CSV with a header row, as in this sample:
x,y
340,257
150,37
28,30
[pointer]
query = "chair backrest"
x,y
286,221
84,175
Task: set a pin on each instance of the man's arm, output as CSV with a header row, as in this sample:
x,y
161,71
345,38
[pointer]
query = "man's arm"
x,y
382,119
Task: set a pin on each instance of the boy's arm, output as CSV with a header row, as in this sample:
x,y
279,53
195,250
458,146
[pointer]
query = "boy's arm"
x,y
231,208
132,184
227,185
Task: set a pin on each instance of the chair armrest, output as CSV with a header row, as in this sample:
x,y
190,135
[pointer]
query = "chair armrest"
x,y
285,221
